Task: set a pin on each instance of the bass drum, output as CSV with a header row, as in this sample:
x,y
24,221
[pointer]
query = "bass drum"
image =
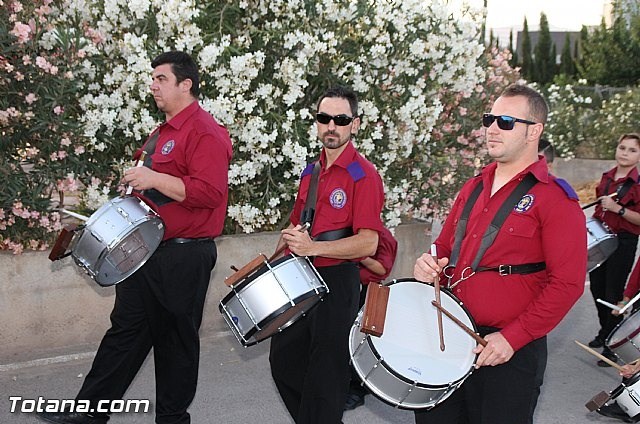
x,y
405,366
117,240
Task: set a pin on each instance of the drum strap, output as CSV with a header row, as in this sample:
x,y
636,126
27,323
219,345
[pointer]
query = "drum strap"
x,y
492,231
152,194
622,190
310,204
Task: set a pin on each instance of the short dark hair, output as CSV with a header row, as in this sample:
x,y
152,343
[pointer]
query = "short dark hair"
x,y
342,92
547,150
538,109
633,136
182,66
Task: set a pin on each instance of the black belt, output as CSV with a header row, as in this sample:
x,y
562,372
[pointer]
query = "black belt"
x,y
516,269
334,234
180,240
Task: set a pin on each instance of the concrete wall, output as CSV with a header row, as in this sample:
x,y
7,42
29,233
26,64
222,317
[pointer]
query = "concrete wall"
x,y
49,308
581,171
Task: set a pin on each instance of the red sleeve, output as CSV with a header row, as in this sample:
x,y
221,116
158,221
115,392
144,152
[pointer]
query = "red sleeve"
x,y
385,254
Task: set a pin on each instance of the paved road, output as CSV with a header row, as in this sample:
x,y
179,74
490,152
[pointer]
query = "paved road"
x,y
236,388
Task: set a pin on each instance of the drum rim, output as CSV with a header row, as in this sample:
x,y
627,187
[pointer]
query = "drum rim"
x,y
322,291
626,338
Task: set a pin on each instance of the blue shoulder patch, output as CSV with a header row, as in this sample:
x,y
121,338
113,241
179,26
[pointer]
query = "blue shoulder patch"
x,y
356,171
571,193
308,170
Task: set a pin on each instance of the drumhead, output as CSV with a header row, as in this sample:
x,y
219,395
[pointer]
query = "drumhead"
x,y
627,330
410,344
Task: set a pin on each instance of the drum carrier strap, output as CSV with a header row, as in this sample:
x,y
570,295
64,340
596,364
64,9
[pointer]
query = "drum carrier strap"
x,y
309,211
622,190
492,230
152,194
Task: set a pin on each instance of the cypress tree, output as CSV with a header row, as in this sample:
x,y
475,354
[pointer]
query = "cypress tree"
x,y
513,62
545,60
566,61
526,64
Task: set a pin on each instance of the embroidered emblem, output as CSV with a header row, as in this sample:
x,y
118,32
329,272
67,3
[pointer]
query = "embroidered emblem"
x,y
168,147
525,203
338,198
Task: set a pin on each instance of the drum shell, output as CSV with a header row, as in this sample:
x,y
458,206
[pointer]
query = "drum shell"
x,y
124,227
272,298
601,243
627,395
624,340
405,367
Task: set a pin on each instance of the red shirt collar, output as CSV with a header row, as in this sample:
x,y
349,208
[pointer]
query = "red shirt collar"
x,y
539,169
178,120
633,174
345,159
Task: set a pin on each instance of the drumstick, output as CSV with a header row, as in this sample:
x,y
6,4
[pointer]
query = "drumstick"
x,y
631,302
607,304
436,285
277,253
75,215
462,325
612,195
597,355
139,163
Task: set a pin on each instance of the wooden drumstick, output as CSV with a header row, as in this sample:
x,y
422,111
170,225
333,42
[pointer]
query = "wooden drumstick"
x,y
436,285
597,355
612,195
461,324
139,163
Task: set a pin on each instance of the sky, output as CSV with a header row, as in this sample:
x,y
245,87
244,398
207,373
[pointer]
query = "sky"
x,y
563,15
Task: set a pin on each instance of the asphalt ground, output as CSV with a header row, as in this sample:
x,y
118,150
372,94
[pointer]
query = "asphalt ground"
x,y
235,385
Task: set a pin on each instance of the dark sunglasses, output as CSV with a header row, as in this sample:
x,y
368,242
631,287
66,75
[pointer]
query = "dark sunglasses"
x,y
505,122
339,120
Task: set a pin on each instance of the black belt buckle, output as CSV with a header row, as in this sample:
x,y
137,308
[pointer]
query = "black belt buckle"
x,y
504,270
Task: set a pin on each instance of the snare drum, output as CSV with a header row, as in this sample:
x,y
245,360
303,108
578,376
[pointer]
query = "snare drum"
x,y
627,395
117,240
624,340
601,243
405,366
272,298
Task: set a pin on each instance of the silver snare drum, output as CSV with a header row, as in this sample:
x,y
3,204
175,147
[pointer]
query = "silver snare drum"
x,y
405,367
272,298
627,395
601,243
117,240
624,340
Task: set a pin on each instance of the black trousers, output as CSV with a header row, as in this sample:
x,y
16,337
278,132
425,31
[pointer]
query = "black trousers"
x,y
355,385
310,360
159,306
607,282
504,394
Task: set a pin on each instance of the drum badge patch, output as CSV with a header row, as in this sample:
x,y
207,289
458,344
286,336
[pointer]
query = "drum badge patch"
x,y
338,198
525,203
168,147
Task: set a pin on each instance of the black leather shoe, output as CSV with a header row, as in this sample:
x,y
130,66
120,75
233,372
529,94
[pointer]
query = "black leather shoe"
x,y
596,342
614,411
71,418
353,401
610,356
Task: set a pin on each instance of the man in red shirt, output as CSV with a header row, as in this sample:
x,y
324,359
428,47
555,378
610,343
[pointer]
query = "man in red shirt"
x,y
310,359
373,269
518,286
160,305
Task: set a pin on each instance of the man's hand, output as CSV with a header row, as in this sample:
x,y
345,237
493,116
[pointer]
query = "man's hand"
x,y
299,242
427,268
496,352
140,178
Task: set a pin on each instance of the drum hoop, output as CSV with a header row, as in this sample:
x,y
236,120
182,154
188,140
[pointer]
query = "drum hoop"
x,y
254,329
261,271
405,379
628,383
627,337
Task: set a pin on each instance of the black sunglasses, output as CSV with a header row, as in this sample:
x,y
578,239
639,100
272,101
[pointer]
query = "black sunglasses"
x,y
505,122
339,120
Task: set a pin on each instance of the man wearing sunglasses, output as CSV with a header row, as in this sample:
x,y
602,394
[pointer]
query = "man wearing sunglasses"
x,y
522,244
310,360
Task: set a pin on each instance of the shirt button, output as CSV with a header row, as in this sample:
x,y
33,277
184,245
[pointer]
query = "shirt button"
x,y
485,210
457,290
511,230
475,236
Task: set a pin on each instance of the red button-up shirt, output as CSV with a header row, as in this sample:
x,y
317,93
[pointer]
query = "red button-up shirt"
x,y
631,201
385,254
350,195
546,226
195,148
